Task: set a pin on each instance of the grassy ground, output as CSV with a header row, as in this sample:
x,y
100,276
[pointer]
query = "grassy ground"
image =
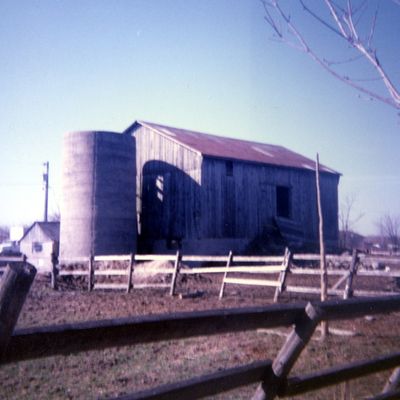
x,y
111,372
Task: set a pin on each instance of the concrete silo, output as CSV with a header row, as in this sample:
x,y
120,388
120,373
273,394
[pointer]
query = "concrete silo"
x,y
98,210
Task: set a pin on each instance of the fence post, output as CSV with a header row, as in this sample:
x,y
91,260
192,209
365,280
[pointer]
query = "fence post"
x,y
283,274
393,382
54,272
175,273
91,273
228,264
287,356
348,291
14,287
131,263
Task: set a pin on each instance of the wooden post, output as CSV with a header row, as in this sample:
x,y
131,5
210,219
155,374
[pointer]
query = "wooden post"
x,y
91,273
54,271
131,263
282,276
228,264
289,353
393,382
14,287
324,272
175,273
348,290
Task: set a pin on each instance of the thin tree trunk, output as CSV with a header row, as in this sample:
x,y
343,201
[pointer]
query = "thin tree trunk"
x,y
324,273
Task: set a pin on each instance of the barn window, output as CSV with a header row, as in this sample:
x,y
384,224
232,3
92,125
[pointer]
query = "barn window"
x,y
229,168
283,201
37,247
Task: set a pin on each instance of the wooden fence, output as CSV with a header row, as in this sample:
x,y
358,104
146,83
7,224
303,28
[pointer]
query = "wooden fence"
x,y
90,271
5,260
272,375
345,277
271,271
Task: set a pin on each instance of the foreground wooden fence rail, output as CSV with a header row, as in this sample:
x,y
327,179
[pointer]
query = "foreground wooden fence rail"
x,y
72,338
9,260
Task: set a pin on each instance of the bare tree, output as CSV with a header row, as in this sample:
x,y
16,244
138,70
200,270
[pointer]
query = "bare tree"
x,y
390,228
349,21
347,218
4,233
55,216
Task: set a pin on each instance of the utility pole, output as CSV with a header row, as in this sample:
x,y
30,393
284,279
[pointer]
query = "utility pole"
x,y
46,188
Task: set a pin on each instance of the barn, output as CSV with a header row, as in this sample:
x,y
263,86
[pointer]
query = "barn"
x,y
40,241
209,194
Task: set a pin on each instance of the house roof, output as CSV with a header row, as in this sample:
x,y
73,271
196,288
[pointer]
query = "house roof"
x,y
50,229
223,147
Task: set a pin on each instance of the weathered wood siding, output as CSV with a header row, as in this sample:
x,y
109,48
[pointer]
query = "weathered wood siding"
x,y
244,205
183,196
168,182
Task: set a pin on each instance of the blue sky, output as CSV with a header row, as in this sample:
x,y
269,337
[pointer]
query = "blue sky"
x,y
207,65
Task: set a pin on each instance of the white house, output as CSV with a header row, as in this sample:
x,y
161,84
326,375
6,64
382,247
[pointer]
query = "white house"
x,y
40,241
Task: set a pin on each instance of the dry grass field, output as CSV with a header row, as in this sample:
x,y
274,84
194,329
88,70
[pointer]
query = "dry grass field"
x,y
120,370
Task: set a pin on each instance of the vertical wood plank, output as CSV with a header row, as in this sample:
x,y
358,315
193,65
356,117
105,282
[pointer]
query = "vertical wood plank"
x,y
175,273
131,263
282,276
14,287
348,290
228,264
90,273
54,271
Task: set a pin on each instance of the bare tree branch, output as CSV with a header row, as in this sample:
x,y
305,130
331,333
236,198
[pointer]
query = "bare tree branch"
x,y
373,26
347,218
318,18
347,61
344,25
390,228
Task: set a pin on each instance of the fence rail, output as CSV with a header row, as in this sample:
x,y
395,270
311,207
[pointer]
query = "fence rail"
x,y
268,267
278,266
274,376
10,260
71,338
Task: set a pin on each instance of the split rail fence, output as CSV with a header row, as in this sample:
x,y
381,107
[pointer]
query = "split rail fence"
x,y
266,271
273,376
5,260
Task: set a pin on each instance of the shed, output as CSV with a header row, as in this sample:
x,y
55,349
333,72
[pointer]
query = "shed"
x,y
40,241
209,194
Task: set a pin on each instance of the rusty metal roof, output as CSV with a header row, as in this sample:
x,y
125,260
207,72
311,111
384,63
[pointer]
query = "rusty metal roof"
x,y
222,147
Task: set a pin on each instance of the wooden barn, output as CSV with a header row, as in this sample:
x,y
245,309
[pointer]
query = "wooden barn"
x,y
39,242
211,194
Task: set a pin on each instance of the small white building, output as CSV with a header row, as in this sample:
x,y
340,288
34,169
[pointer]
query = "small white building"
x,y
40,241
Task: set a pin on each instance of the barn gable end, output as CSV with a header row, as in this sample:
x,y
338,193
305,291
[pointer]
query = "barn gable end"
x,y
168,190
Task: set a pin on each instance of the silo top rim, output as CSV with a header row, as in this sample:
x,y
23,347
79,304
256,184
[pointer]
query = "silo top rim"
x,y
91,132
